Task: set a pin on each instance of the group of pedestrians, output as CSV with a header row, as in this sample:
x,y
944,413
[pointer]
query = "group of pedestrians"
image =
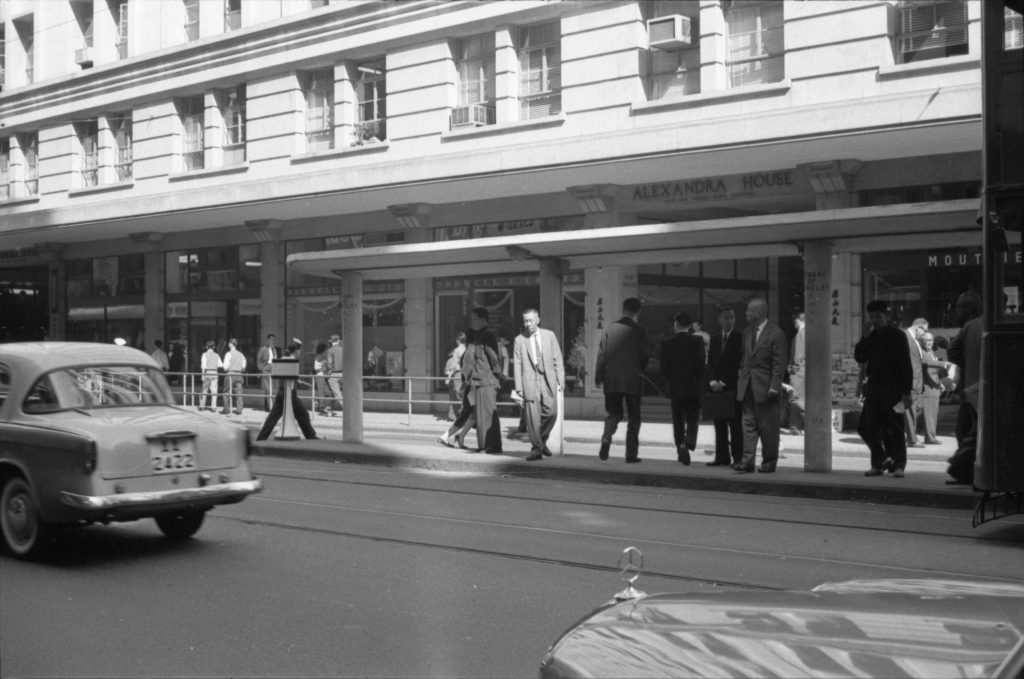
x,y
744,370
476,372
211,365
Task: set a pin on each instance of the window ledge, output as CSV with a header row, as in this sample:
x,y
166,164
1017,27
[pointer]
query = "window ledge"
x,y
102,188
503,128
695,100
19,201
943,65
209,172
336,153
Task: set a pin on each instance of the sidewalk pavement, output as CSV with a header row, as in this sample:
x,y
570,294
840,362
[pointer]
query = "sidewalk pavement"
x,y
400,440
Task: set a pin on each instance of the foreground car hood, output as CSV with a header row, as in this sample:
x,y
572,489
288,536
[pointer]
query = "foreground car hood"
x,y
859,629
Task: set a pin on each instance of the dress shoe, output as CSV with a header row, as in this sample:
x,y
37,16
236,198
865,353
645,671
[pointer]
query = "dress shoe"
x,y
898,473
684,455
534,456
718,464
744,468
546,452
873,472
459,441
603,452
933,442
633,460
443,440
766,469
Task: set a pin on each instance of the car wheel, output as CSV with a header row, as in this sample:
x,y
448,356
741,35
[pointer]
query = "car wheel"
x,y
180,526
25,534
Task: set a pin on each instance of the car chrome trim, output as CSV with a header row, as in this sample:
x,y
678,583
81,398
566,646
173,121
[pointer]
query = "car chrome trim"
x,y
184,495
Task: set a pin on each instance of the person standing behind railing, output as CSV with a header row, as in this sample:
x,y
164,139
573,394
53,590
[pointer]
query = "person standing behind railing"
x,y
210,363
234,364
335,355
264,358
321,398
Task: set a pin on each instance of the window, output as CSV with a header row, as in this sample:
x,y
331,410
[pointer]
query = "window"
x,y
25,28
1013,30
756,46
233,113
371,94
540,71
232,15
673,68
319,95
931,29
3,50
121,129
30,153
5,169
474,68
191,19
88,152
121,36
83,49
192,132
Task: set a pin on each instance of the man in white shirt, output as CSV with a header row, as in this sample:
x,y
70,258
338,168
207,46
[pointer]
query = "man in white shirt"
x,y
209,364
234,364
160,356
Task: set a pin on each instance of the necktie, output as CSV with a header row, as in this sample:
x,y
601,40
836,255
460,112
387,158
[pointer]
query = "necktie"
x,y
536,349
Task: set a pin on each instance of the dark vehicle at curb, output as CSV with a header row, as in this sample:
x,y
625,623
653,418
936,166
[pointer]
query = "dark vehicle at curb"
x,y
862,628
91,433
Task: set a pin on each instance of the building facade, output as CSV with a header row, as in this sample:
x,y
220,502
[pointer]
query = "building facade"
x,y
189,170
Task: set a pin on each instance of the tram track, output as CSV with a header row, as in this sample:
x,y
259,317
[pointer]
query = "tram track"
x,y
496,553
682,513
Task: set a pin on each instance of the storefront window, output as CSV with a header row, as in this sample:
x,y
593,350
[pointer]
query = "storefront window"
x,y
505,297
104,299
925,284
212,295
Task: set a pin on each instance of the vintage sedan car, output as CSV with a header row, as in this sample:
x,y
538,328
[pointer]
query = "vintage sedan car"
x,y
91,433
862,628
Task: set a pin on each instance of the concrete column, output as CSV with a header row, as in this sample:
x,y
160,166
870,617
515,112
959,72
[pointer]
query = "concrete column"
x,y
271,277
155,282
818,334
506,76
713,76
551,271
352,360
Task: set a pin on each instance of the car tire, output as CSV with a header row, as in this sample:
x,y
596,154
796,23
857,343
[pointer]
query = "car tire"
x,y
181,525
25,535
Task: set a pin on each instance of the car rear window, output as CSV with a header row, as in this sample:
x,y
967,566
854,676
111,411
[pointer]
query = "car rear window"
x,y
97,387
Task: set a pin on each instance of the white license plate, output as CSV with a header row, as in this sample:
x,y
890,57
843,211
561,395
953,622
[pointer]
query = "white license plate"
x,y
172,455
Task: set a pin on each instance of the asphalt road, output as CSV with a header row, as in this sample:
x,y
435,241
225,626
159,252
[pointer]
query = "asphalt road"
x,y
342,570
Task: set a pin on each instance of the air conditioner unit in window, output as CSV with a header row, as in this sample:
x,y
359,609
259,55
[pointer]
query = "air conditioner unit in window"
x,y
474,115
669,32
83,56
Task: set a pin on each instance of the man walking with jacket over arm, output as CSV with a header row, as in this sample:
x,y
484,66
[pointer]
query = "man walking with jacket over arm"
x,y
682,365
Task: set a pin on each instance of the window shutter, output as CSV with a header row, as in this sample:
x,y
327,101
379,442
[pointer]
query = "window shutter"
x,y
932,27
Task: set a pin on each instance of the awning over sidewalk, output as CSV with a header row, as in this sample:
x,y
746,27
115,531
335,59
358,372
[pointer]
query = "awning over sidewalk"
x,y
862,229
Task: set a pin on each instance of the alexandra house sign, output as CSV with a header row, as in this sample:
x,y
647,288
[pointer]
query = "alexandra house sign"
x,y
709,189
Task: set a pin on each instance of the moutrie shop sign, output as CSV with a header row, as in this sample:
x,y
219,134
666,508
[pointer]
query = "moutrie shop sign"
x,y
707,189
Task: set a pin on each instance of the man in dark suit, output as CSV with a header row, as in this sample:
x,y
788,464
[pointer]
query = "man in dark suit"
x,y
758,386
682,366
723,373
539,378
887,391
621,360
484,380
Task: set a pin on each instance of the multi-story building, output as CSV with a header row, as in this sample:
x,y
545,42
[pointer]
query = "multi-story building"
x,y
198,169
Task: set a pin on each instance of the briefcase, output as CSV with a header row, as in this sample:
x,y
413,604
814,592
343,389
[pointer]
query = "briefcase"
x,y
718,406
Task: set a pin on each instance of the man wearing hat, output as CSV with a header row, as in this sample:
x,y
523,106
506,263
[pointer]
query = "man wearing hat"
x,y
889,380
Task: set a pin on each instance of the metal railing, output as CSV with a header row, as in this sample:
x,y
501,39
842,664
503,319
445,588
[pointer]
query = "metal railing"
x,y
188,387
